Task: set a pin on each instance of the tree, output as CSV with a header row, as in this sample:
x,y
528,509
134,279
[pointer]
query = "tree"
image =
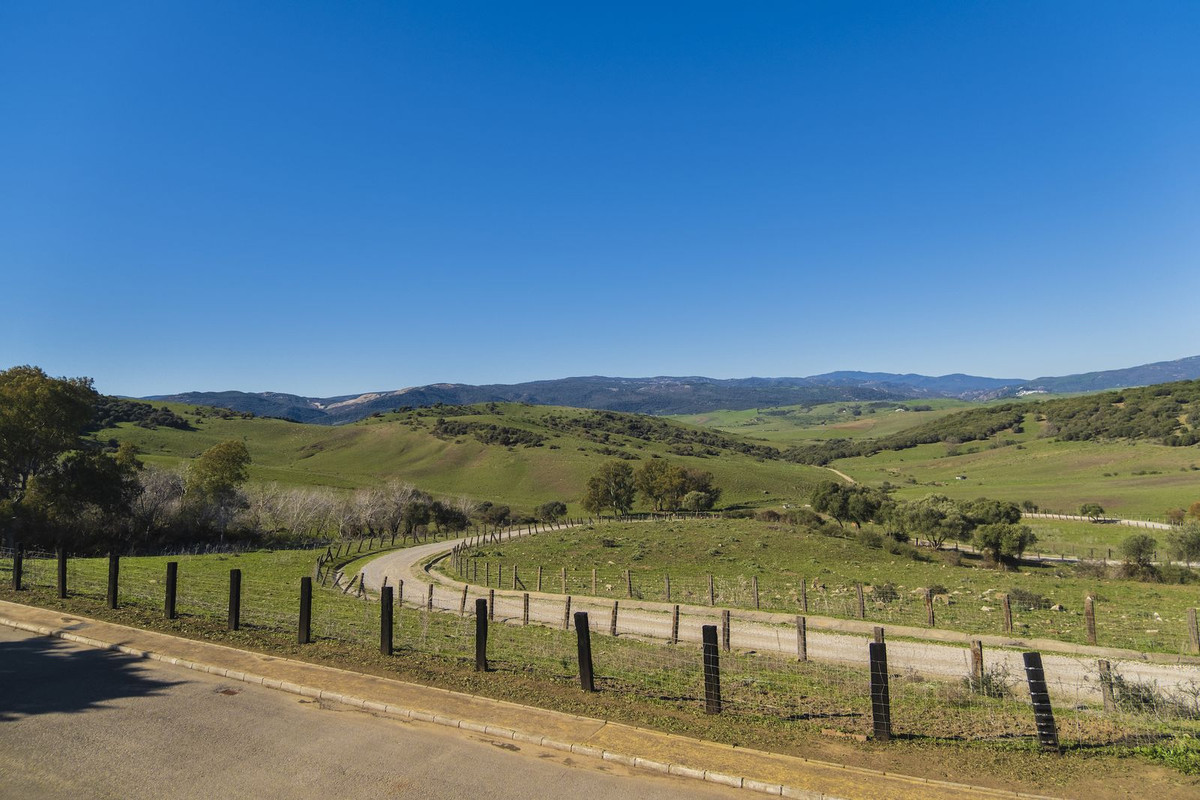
x,y
697,501
1194,510
985,511
1092,510
1138,553
1004,541
551,511
611,487
831,498
41,418
1175,516
219,471
936,517
1184,543
660,482
86,494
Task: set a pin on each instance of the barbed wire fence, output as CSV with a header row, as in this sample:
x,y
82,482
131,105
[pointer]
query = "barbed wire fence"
x,y
1114,702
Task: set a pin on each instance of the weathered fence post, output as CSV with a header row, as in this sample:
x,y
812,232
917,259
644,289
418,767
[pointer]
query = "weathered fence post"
x,y
675,625
930,620
861,611
235,599
593,581
462,604
487,573
429,599
385,620
18,565
725,630
304,632
583,638
1193,630
562,577
801,639
712,670
879,634
1039,694
481,632
539,585
567,614
172,589
62,573
628,583
667,586
977,664
114,571
525,609
804,595
1106,685
612,624
400,594
491,603
1007,603
515,579
500,575
1089,616
711,593
881,706
754,584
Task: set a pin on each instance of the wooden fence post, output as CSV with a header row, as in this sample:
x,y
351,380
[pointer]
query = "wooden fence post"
x,y
977,664
1193,630
235,599
930,620
304,629
525,609
539,584
114,571
1089,616
754,584
879,634
1106,685
612,627
881,707
583,638
62,573
675,625
1007,604
385,620
172,586
481,634
429,600
1039,694
491,603
462,604
804,595
563,578
725,630
712,670
711,593
667,586
593,581
567,614
861,611
628,583
801,639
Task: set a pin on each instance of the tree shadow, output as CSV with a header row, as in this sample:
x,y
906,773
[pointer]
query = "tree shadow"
x,y
45,675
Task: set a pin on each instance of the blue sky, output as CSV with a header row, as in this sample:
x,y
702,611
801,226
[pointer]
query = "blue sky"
x,y
341,197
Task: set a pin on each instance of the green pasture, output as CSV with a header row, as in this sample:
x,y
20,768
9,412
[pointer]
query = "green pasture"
x,y
1130,614
788,425
401,446
1131,479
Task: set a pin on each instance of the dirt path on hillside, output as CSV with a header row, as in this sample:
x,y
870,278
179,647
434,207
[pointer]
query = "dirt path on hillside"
x,y
1071,669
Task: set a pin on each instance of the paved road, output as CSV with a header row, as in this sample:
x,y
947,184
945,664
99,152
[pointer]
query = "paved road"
x,y
76,722
1072,675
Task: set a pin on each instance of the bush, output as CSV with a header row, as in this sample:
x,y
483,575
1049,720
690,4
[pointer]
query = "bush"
x,y
885,593
1091,569
1030,601
870,539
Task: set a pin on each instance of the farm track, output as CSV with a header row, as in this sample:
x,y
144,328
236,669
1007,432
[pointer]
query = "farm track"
x,y
935,653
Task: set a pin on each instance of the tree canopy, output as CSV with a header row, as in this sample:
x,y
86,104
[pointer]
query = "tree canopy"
x,y
612,487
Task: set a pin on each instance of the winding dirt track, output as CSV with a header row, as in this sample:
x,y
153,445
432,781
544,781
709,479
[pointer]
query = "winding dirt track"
x,y
1070,669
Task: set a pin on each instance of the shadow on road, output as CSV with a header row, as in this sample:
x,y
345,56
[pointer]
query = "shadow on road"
x,y
44,675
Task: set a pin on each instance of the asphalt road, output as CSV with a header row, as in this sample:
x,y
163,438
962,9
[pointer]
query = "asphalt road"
x,y
76,722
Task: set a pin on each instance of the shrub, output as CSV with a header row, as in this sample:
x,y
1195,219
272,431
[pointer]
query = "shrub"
x,y
1030,601
870,539
1091,569
885,593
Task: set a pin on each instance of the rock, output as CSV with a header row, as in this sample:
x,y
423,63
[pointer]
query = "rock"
x,y
944,599
985,608
1058,607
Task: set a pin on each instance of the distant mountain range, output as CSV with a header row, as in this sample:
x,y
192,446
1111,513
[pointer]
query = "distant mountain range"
x,y
691,395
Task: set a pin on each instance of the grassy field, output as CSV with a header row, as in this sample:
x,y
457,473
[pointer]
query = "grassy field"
x,y
1130,614
1133,479
773,703
788,425
404,446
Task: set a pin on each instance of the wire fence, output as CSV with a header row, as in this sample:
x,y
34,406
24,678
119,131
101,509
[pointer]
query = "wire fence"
x,y
1166,627
1113,703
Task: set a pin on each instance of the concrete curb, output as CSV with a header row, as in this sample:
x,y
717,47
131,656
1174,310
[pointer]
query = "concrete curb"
x,y
401,712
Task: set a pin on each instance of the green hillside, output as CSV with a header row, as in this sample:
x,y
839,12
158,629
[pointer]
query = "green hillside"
x,y
512,453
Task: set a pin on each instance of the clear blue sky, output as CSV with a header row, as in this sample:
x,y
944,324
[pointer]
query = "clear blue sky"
x,y
339,197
